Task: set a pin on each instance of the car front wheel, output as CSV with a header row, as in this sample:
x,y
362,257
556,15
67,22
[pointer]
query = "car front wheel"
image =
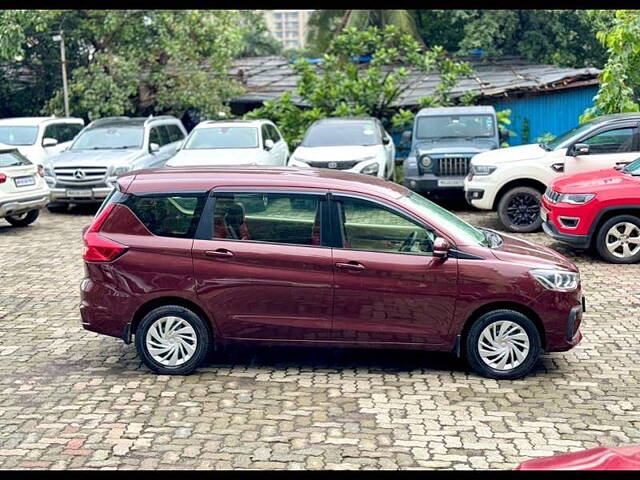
x,y
618,240
23,219
172,340
519,210
503,344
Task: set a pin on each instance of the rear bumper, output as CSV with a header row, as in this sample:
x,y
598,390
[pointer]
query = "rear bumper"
x,y
18,206
429,182
577,241
65,195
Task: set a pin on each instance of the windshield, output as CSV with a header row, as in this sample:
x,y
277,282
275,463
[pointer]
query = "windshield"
x,y
109,138
564,140
455,126
469,234
222,137
18,135
340,134
12,159
633,168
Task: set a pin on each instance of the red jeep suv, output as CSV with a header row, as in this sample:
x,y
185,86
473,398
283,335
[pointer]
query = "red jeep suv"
x,y
598,209
180,258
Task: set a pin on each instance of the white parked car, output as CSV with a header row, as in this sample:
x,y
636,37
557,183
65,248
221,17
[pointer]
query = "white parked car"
x,y
354,144
39,138
23,191
232,142
512,180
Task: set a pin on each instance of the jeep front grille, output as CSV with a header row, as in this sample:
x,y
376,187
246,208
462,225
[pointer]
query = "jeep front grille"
x,y
453,166
552,196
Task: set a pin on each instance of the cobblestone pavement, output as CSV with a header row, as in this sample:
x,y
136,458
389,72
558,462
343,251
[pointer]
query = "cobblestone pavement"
x,y
74,399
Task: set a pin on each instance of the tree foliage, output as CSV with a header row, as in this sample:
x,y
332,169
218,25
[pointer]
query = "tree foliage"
x,y
340,86
256,39
134,62
620,79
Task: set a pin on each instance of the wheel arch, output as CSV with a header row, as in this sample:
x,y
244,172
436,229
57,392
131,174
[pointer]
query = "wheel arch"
x,y
152,304
518,182
607,214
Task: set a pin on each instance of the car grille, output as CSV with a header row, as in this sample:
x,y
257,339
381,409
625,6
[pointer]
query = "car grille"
x,y
552,196
340,165
453,166
80,175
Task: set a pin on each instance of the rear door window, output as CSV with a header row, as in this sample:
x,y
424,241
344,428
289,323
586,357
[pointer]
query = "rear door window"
x,y
171,215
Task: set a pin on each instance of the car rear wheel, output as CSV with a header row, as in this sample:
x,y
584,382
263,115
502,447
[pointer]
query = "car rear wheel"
x,y
618,239
519,210
503,344
172,340
23,219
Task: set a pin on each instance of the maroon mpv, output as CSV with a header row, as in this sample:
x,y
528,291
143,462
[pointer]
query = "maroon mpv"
x,y
180,258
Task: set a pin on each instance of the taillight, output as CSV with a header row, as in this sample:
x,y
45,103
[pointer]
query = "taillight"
x,y
3,178
97,248
41,170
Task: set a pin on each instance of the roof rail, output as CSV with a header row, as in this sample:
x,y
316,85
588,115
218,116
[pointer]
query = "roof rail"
x,y
106,119
159,117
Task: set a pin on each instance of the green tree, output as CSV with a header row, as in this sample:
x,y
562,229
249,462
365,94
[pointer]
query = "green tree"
x,y
340,86
620,79
256,39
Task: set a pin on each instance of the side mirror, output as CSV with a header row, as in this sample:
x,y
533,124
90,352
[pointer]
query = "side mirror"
x,y
386,140
503,134
578,149
441,248
49,142
406,138
268,144
154,148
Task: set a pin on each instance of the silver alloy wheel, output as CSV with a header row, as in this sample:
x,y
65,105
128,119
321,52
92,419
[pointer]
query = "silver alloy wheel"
x,y
623,240
171,341
503,345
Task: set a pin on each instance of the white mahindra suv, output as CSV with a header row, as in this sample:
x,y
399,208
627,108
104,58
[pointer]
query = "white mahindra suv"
x,y
512,180
39,138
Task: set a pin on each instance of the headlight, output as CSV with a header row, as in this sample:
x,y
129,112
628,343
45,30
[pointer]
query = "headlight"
x,y
483,169
576,198
371,169
557,280
425,161
48,171
120,170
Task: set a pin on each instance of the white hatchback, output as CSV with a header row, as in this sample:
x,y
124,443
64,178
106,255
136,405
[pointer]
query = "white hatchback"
x,y
234,142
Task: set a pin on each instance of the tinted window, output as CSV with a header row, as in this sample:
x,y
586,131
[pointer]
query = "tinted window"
x,y
612,141
18,135
266,134
453,126
341,133
160,135
372,227
567,138
222,137
52,131
270,217
175,134
12,159
68,131
275,136
170,215
109,138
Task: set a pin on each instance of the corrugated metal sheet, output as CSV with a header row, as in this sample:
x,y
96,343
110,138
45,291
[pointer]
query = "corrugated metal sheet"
x,y
554,112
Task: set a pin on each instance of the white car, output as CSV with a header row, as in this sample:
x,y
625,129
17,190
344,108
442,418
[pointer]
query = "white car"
x,y
354,144
233,142
23,191
512,180
39,138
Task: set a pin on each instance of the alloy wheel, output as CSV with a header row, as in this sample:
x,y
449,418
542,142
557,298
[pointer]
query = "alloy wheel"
x,y
171,341
523,209
623,240
503,345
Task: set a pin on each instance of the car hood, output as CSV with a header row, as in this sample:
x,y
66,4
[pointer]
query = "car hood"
x,y
336,154
595,181
232,156
510,154
86,158
528,253
455,145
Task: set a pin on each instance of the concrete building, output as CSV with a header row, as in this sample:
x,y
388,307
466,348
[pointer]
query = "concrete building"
x,y
288,26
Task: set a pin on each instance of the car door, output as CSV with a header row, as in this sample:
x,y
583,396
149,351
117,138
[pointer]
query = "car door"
x,y
261,267
268,156
281,149
616,145
388,289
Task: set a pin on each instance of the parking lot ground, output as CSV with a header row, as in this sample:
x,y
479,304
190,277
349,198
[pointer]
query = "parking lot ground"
x,y
70,398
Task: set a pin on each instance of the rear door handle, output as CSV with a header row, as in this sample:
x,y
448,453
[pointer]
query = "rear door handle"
x,y
220,252
351,266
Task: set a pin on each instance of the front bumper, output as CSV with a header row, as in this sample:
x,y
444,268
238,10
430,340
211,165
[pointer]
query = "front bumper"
x,y
18,206
66,195
577,241
429,182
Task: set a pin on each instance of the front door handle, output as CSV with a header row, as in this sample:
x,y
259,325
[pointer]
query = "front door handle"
x,y
351,266
220,252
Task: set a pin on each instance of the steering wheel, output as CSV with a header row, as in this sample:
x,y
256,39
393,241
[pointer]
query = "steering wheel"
x,y
408,242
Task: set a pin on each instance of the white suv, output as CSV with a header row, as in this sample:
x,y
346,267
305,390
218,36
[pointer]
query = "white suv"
x,y
512,180
39,138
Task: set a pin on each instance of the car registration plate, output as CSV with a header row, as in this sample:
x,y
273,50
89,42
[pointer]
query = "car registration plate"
x,y
543,214
79,193
25,181
451,182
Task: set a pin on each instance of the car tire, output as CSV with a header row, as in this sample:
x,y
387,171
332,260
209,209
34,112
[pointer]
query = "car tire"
x,y
516,205
58,207
486,331
628,225
24,219
158,329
